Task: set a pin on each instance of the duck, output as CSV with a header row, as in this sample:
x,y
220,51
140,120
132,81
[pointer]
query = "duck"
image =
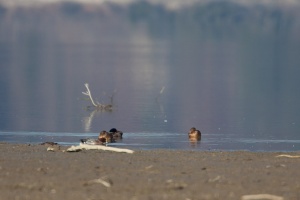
x,y
106,137
103,138
194,134
116,134
91,141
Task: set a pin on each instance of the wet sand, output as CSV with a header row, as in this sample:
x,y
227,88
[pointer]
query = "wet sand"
x,y
32,172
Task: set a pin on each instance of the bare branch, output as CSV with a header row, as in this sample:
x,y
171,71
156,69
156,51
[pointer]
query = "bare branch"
x,y
96,104
88,93
288,156
97,147
261,196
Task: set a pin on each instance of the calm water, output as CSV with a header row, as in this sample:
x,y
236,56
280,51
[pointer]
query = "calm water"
x,y
231,70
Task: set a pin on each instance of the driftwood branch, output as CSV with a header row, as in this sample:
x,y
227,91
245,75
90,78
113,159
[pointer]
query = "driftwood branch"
x,y
97,147
96,104
88,93
288,156
99,180
261,196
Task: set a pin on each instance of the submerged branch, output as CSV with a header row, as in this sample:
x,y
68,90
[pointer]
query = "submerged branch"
x,y
97,105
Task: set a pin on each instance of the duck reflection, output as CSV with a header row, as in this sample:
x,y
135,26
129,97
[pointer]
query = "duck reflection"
x,y
194,142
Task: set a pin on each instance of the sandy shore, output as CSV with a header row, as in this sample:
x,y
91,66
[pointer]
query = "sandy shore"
x,y
32,172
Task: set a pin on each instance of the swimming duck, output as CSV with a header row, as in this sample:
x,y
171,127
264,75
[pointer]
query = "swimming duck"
x,y
194,134
103,138
106,137
91,141
116,134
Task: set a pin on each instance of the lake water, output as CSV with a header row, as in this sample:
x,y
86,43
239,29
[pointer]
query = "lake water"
x,y
231,70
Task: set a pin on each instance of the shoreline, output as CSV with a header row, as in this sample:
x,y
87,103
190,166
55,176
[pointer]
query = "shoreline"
x,y
31,172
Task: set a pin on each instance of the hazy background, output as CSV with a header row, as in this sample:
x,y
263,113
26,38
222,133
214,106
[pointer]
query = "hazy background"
x,y
227,67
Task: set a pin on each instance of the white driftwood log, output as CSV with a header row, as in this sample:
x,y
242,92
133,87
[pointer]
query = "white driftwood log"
x,y
99,180
97,147
261,196
288,156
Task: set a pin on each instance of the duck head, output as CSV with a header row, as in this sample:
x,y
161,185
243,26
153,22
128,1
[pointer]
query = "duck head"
x,y
116,134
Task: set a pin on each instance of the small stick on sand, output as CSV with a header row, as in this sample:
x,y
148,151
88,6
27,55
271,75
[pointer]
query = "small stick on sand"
x,y
99,180
97,147
288,156
261,196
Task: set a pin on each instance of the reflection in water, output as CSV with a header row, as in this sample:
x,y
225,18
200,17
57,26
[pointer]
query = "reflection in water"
x,y
228,68
194,143
162,114
87,121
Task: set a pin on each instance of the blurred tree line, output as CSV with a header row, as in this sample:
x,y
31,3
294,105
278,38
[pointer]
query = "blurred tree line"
x,y
213,20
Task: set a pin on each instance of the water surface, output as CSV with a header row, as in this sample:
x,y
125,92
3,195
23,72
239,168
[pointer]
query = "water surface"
x,y
231,70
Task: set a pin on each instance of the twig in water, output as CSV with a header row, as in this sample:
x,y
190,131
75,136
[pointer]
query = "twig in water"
x,y
96,104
